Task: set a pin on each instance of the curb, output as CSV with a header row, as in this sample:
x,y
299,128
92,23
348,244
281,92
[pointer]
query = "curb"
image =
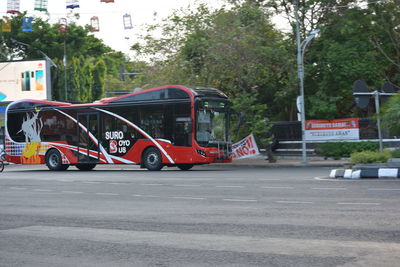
x,y
365,173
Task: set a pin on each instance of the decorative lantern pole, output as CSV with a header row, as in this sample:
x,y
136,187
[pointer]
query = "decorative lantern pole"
x,y
41,5
13,6
27,24
94,23
72,4
127,22
6,24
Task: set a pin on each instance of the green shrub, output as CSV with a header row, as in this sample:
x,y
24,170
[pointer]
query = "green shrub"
x,y
396,153
365,157
338,150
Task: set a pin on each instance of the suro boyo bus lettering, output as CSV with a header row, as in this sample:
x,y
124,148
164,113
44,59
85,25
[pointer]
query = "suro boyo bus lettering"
x,y
165,126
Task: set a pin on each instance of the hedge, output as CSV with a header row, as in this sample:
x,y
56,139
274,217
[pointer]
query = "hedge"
x,y
339,150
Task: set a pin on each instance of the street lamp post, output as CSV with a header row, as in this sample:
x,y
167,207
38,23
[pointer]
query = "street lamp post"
x,y
301,47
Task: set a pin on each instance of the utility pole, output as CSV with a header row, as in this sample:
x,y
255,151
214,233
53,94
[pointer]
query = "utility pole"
x,y
301,48
65,70
300,71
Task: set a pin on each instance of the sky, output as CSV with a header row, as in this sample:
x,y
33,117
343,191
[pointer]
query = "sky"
x,y
110,15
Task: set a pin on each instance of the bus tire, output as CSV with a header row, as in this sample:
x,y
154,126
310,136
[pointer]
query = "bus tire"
x,y
85,167
152,159
54,161
185,167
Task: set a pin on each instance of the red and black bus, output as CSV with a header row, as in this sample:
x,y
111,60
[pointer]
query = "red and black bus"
x,y
166,126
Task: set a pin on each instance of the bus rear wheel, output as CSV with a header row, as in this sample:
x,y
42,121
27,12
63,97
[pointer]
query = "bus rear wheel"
x,y
185,167
54,161
152,159
85,167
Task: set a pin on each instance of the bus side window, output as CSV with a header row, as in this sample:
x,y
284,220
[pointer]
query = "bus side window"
x,y
182,123
152,121
108,123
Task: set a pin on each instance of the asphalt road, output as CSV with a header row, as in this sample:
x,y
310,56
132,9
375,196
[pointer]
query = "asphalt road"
x,y
210,216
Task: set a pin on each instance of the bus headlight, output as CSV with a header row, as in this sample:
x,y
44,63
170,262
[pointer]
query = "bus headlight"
x,y
201,152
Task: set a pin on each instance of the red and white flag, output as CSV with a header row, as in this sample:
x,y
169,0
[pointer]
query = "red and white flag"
x,y
245,148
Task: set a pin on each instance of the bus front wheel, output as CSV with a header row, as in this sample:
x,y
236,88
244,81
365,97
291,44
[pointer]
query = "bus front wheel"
x,y
152,159
54,161
85,167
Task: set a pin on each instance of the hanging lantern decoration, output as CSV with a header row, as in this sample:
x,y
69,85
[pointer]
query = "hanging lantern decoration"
x,y
6,25
13,6
27,24
107,1
127,22
41,5
94,23
72,4
62,25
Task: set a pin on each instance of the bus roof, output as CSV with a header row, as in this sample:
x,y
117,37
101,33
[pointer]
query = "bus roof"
x,y
176,92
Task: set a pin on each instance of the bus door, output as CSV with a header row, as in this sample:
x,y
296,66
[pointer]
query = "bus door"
x,y
88,150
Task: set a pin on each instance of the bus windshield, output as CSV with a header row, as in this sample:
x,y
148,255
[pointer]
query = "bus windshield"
x,y
212,124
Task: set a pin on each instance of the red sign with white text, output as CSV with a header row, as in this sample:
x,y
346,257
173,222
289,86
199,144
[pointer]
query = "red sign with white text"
x,y
341,129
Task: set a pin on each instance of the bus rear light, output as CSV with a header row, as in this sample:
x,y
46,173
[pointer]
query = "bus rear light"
x,y
201,152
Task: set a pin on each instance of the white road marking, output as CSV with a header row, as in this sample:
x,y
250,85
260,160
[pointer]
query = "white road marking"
x,y
239,200
144,196
360,203
107,194
187,185
293,202
190,198
229,186
277,187
18,188
71,192
42,190
327,179
266,179
329,188
384,189
152,184
89,182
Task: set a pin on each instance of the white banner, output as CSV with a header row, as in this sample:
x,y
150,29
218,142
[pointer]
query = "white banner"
x,y
341,129
245,148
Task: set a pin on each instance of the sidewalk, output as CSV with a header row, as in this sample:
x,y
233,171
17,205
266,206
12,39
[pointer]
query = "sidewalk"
x,y
261,162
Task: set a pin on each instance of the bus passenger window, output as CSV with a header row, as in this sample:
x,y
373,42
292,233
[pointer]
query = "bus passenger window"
x,y
182,125
153,121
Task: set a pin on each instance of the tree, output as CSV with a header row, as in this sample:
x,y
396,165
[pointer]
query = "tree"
x,y
342,55
358,40
385,37
99,75
391,115
236,50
